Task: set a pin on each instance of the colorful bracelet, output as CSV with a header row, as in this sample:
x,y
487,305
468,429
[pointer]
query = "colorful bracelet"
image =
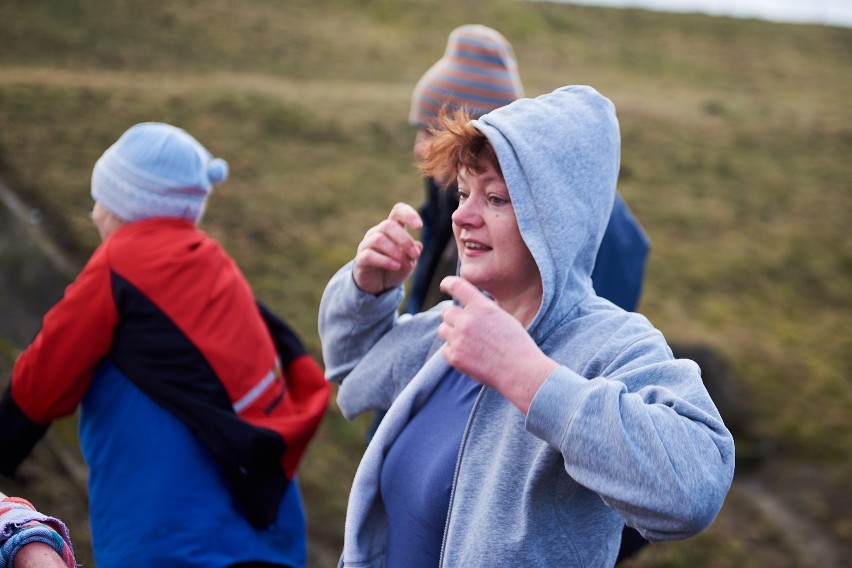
x,y
21,524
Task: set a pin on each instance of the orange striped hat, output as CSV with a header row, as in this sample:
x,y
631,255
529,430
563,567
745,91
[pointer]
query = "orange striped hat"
x,y
478,71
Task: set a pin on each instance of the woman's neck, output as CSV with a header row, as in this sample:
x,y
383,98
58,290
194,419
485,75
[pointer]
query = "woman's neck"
x,y
523,306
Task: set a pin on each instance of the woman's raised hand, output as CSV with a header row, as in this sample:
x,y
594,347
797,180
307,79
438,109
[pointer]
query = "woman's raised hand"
x,y
387,253
490,346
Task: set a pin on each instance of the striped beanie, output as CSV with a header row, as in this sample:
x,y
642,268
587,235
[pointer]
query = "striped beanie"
x,y
478,71
156,170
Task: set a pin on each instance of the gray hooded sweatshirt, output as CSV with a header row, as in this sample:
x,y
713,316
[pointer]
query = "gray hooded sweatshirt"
x,y
621,432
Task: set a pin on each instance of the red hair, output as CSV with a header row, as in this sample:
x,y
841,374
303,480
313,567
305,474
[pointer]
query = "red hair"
x,y
456,145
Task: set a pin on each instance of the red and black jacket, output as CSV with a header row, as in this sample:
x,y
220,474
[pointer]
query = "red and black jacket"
x,y
173,312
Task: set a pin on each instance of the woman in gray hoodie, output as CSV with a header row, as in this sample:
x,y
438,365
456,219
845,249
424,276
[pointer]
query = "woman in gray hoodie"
x,y
529,419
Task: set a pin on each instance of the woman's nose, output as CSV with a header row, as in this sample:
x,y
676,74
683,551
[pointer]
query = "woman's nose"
x,y
468,213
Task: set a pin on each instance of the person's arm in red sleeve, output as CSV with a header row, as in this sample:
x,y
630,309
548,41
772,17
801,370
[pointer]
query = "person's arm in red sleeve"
x,y
52,375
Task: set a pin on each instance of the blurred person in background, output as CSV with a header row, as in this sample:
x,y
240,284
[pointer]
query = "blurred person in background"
x,y
196,401
528,419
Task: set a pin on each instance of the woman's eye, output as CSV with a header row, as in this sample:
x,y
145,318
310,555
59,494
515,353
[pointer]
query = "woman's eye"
x,y
498,200
461,196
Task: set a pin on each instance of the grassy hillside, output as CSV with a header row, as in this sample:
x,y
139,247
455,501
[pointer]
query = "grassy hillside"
x,y
736,143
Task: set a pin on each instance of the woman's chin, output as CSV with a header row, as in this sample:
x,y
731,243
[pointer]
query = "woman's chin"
x,y
475,277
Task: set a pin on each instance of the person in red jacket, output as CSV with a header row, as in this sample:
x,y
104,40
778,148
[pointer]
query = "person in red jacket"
x,y
197,402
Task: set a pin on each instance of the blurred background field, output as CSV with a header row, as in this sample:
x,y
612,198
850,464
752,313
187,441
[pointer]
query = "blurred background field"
x,y
737,139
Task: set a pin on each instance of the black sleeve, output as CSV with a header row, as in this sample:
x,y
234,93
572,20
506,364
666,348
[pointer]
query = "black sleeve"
x,y
18,434
287,343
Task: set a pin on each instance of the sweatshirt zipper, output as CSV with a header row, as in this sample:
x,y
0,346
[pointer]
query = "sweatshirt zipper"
x,y
456,471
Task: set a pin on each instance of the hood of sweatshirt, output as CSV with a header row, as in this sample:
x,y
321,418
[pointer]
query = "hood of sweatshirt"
x,y
560,157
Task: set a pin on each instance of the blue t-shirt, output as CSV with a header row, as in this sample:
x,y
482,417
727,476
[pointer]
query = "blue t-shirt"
x,y
417,475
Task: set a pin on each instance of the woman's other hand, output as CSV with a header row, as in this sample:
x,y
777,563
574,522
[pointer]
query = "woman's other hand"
x,y
387,253
489,345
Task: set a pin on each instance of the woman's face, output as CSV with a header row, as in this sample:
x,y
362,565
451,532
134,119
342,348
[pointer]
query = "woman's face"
x,y
493,255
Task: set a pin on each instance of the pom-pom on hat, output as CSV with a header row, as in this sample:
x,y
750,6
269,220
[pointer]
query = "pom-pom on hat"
x,y
478,71
156,170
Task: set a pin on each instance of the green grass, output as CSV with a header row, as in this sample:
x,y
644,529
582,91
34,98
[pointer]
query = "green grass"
x,y
736,143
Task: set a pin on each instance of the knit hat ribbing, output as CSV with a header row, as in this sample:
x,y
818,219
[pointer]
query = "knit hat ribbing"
x,y
478,71
156,170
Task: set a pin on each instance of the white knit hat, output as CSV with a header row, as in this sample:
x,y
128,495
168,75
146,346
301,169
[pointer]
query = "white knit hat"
x,y
156,170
